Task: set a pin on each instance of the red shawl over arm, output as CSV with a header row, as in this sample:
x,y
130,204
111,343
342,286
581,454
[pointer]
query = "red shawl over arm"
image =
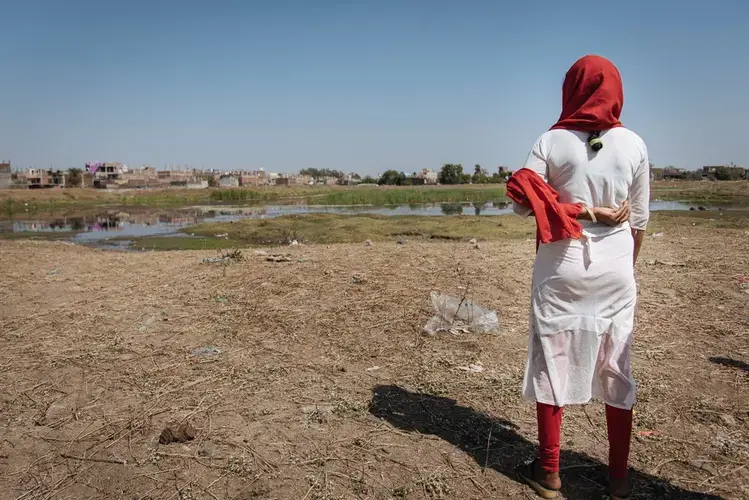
x,y
555,220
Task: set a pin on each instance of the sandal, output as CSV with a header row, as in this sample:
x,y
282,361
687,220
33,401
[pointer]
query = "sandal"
x,y
628,496
526,473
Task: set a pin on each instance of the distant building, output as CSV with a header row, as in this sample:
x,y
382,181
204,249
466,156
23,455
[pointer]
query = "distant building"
x,y
305,180
87,180
349,180
37,178
6,177
175,177
197,185
425,176
724,172
228,181
106,174
710,171
138,178
250,180
328,181
670,173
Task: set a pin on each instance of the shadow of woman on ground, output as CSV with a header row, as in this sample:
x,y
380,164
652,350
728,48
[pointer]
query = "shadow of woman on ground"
x,y
731,363
471,431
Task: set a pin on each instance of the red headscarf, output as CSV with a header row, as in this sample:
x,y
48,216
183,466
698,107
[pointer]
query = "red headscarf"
x,y
592,96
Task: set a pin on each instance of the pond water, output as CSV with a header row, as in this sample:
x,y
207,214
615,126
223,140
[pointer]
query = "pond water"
x,y
161,222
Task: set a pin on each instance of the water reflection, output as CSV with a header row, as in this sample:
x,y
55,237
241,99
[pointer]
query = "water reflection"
x,y
96,223
451,208
121,223
149,222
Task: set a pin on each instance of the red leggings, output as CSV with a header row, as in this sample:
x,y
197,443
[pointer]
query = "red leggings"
x,y
618,422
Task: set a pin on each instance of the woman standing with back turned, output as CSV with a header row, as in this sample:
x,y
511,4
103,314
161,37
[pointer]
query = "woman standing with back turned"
x,y
583,296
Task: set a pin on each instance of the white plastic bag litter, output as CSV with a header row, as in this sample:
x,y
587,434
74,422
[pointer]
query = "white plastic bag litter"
x,y
457,316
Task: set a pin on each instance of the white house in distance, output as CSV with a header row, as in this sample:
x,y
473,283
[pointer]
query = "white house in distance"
x,y
425,176
228,181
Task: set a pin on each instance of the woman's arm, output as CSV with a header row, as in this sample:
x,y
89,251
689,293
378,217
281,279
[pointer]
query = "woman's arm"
x,y
639,237
639,196
611,216
536,161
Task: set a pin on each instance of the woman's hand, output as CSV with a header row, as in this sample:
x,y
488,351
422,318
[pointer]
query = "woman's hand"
x,y
612,216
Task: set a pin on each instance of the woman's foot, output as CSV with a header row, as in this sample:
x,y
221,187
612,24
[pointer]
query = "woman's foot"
x,y
620,489
546,484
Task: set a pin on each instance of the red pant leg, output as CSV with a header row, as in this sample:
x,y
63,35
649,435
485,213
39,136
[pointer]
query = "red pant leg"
x,y
619,426
549,435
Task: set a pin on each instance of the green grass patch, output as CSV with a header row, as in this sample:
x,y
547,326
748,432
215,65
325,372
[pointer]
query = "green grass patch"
x,y
364,195
37,235
17,202
409,196
333,228
18,207
669,220
250,195
336,228
159,199
733,193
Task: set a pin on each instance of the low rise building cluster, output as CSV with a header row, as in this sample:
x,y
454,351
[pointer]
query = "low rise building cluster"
x,y
116,175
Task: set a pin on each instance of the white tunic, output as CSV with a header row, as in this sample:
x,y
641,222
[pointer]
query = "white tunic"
x,y
583,296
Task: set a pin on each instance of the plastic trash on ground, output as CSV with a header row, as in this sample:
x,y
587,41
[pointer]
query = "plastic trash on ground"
x,y
456,316
206,351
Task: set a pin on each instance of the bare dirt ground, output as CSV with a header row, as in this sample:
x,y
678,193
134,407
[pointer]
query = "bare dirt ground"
x,y
325,387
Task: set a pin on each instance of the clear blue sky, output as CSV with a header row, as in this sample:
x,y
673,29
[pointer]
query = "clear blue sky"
x,y
357,85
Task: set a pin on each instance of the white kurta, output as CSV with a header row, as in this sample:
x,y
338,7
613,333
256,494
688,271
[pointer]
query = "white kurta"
x,y
583,295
